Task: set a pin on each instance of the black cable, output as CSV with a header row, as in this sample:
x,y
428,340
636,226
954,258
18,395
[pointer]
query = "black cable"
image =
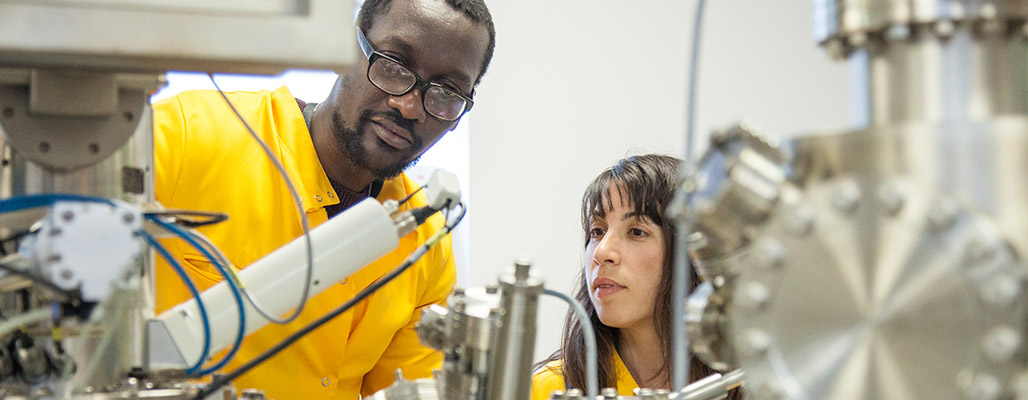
x,y
220,381
405,199
189,218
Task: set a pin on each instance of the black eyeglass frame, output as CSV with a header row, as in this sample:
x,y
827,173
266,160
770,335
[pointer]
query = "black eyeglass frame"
x,y
370,53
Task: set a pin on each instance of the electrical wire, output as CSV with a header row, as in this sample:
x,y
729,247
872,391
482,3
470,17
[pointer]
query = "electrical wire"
x,y
680,342
304,223
193,291
19,203
360,296
592,380
250,297
232,285
186,217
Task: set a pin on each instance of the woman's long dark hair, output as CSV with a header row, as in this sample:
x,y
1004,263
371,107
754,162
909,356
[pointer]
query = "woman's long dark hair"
x,y
647,183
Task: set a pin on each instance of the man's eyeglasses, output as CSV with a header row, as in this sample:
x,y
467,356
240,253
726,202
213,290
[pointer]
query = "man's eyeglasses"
x,y
390,75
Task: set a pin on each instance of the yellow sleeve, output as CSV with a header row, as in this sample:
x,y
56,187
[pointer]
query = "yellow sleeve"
x,y
547,380
405,350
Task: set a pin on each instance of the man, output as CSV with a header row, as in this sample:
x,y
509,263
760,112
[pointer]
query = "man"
x,y
424,59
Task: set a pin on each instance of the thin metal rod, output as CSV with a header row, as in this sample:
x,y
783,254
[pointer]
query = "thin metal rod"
x,y
680,341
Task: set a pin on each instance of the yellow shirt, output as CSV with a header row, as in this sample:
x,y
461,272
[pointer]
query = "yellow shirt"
x,y
205,160
550,378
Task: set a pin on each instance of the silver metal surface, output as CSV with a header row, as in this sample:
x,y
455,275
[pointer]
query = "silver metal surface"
x,y
511,364
234,36
837,18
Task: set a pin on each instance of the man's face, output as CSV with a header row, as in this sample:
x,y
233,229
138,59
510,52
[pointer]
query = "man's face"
x,y
385,133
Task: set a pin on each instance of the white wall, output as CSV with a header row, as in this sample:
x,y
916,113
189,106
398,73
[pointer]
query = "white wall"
x,y
576,85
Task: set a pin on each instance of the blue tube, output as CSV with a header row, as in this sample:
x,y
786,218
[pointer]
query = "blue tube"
x,y
19,203
196,295
231,284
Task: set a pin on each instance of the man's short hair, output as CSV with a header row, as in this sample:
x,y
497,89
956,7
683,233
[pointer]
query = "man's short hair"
x,y
474,9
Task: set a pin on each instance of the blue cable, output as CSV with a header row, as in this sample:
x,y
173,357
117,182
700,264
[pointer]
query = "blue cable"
x,y
231,284
19,203
196,295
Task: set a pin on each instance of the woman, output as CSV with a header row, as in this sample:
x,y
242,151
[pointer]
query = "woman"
x,y
625,285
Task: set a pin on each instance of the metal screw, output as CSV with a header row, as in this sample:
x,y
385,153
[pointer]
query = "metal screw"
x,y
756,343
945,29
769,254
754,296
846,197
942,216
858,40
898,33
956,10
1001,290
988,11
977,252
801,222
892,198
983,387
1001,343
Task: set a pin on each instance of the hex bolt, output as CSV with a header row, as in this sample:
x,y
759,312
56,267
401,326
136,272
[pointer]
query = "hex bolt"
x,y
858,40
899,32
976,252
846,197
892,199
1001,290
983,387
942,216
801,222
1001,344
754,296
756,343
944,29
768,255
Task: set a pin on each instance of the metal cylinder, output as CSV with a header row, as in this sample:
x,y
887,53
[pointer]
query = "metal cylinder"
x,y
929,61
511,365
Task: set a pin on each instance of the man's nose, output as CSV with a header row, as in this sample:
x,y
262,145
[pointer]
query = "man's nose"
x,y
409,105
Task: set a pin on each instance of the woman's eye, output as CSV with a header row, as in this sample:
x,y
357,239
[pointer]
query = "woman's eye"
x,y
637,232
597,232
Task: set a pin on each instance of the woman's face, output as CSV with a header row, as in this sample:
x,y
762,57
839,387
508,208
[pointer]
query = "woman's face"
x,y
624,259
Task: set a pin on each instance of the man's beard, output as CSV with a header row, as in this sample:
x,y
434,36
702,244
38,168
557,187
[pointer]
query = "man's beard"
x,y
352,141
